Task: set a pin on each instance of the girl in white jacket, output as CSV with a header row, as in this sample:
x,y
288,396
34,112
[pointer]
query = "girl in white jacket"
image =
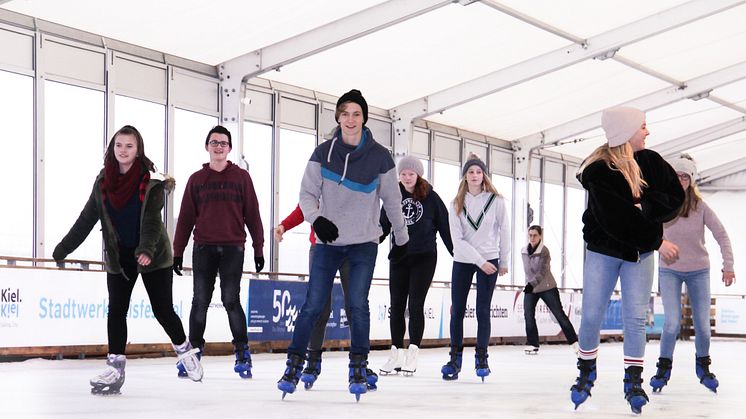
x,y
480,231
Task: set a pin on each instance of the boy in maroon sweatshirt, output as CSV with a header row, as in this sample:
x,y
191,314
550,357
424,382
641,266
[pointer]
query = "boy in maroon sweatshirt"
x,y
219,200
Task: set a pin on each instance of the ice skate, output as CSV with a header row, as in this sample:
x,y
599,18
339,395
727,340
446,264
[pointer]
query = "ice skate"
x,y
705,376
531,350
243,362
395,361
112,378
372,379
410,362
633,391
189,361
181,371
451,369
312,370
293,371
581,390
661,377
481,366
358,383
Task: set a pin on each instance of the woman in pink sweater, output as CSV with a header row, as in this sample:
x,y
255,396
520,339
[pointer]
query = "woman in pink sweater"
x,y
693,269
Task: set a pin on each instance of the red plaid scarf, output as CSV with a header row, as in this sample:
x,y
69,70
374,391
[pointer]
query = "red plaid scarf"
x,y
118,189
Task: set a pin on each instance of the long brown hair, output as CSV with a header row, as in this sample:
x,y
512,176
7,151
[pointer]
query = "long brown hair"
x,y
619,159
463,188
691,200
421,189
129,130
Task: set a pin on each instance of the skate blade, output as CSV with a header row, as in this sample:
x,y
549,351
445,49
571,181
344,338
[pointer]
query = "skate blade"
x,y
392,372
357,398
408,373
105,392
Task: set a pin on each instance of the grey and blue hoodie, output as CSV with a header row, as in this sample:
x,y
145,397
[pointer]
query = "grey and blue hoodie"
x,y
346,185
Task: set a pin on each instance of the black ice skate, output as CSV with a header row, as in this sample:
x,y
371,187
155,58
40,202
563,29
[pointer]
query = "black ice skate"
x,y
451,369
581,390
633,390
243,362
661,377
312,370
293,371
358,382
705,376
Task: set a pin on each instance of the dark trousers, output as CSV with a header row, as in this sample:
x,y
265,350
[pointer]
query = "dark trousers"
x,y
327,260
319,329
552,299
207,262
158,285
410,279
460,285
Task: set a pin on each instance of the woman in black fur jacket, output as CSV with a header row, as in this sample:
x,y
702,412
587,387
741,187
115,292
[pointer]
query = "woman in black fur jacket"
x,y
631,192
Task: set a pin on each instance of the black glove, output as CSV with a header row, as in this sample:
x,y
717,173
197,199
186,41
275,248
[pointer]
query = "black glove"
x,y
398,253
59,254
326,231
178,264
528,289
259,262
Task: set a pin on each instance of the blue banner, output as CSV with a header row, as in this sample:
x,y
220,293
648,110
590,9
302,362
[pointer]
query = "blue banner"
x,y
273,308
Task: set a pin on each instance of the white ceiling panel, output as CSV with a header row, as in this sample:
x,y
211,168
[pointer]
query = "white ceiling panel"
x,y
420,56
684,117
206,31
735,93
585,18
551,100
719,152
695,49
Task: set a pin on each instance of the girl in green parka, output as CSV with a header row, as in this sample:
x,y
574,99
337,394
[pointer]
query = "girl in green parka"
x,y
129,203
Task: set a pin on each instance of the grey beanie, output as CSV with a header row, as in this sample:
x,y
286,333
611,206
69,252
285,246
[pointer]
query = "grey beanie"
x,y
473,160
411,163
684,164
621,123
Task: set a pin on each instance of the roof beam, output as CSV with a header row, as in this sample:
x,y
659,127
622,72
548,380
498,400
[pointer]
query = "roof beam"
x,y
603,45
330,35
671,148
719,172
691,89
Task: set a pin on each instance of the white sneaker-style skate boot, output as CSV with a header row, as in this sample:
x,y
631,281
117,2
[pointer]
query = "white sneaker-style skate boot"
x,y
112,378
410,363
531,350
395,361
188,359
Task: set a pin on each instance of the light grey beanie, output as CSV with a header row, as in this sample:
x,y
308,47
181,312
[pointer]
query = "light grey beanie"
x,y
684,164
621,123
411,163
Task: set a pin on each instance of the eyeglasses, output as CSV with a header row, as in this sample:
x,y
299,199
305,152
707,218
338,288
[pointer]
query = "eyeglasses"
x,y
216,143
683,176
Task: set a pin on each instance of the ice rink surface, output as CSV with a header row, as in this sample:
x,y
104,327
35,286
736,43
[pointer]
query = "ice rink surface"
x,y
520,386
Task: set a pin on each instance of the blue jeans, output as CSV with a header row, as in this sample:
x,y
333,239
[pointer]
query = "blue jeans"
x,y
460,285
327,260
319,329
552,299
698,288
600,275
207,261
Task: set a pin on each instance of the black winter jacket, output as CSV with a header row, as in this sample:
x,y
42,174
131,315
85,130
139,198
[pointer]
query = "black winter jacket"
x,y
614,226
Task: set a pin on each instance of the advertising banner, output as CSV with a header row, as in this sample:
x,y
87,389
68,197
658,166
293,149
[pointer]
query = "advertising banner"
x,y
730,315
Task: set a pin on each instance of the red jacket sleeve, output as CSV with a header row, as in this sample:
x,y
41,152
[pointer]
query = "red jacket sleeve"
x,y
293,219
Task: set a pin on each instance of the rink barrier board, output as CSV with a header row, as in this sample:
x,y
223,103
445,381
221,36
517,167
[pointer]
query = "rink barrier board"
x,y
37,319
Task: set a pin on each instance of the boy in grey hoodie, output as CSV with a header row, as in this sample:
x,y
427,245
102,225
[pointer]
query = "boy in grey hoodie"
x,y
345,179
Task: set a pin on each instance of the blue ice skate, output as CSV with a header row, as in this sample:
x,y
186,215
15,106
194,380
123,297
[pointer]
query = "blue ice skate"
x,y
372,379
480,363
181,372
451,369
312,370
581,390
293,371
243,362
661,377
633,391
358,383
705,376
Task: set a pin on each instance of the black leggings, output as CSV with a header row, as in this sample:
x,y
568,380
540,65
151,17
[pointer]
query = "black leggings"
x,y
410,280
158,284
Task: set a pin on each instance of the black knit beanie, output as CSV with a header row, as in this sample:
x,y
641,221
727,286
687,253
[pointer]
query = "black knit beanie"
x,y
355,96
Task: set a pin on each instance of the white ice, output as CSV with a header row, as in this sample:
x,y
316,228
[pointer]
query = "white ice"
x,y
519,386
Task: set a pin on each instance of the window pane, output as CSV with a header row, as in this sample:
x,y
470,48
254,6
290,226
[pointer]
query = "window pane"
x,y
190,130
295,150
74,145
17,167
553,215
150,119
575,244
257,145
504,185
447,177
